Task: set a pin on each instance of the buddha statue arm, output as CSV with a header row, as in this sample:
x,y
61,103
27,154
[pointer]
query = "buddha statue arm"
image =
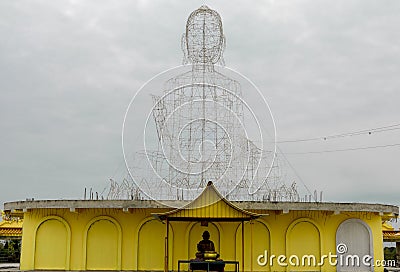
x,y
212,247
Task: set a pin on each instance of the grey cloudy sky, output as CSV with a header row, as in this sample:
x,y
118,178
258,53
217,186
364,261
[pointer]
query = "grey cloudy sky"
x,y
68,70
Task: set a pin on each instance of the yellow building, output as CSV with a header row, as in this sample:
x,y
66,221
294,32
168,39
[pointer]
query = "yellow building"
x,y
137,235
10,229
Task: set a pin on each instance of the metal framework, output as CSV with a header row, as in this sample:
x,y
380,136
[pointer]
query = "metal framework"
x,y
200,124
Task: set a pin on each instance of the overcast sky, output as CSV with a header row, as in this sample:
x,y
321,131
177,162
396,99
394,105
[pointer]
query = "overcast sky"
x,y
68,70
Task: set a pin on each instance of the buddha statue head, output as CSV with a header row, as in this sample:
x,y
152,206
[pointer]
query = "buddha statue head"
x,y
203,41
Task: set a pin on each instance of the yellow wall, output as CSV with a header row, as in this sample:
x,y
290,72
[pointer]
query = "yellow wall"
x,y
110,239
103,244
52,245
303,238
151,244
256,241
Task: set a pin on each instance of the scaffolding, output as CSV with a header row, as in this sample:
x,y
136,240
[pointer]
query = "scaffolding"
x,y
199,119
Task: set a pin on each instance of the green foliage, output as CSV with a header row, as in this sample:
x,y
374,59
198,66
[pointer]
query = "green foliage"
x,y
10,252
390,253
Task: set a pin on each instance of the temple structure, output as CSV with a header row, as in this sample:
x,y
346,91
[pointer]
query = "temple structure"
x,y
11,229
11,225
254,223
142,235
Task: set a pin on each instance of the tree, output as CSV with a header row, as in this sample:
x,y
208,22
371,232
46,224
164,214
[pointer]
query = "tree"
x,y
10,252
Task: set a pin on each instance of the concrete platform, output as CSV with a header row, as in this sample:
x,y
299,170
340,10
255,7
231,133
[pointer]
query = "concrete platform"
x,y
247,205
9,267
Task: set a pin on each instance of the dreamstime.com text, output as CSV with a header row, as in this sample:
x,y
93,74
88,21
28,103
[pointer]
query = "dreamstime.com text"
x,y
339,259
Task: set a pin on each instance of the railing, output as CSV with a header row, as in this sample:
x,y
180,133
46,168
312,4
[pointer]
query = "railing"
x,y
207,265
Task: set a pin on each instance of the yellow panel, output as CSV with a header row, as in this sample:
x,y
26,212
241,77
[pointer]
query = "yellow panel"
x,y
303,239
195,236
355,234
151,246
102,246
51,245
255,243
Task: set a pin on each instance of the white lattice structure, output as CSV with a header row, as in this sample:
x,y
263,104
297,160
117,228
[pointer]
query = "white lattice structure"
x,y
199,118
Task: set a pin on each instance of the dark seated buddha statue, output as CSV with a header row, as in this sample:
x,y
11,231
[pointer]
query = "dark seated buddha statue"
x,y
206,248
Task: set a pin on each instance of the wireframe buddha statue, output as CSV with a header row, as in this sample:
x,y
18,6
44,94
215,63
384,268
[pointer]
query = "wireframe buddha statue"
x,y
206,248
200,116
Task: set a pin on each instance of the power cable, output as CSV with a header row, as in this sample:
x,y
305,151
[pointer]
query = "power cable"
x,y
347,134
345,149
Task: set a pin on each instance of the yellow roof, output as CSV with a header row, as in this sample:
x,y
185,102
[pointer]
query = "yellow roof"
x,y
11,228
387,226
208,206
391,236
